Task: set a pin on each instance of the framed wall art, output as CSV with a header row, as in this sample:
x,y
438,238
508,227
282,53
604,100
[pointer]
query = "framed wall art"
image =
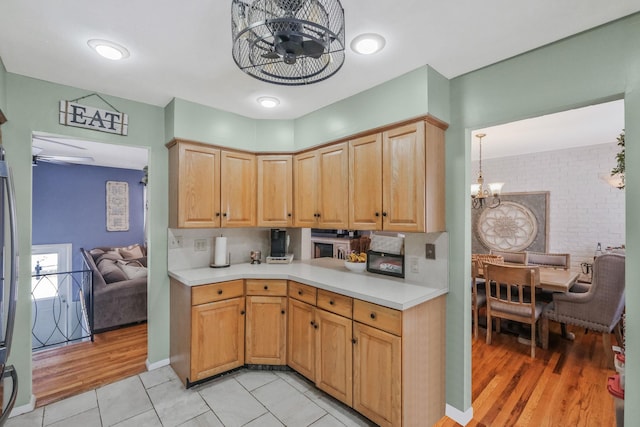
x,y
117,206
520,223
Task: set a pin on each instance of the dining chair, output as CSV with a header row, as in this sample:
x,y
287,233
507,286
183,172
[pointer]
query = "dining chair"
x,y
552,260
512,257
511,295
598,307
478,295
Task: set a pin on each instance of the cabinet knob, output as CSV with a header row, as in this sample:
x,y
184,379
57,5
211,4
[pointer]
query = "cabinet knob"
x,y
224,214
289,214
312,323
377,214
373,315
242,312
318,215
299,292
354,341
315,325
219,291
282,312
384,214
266,287
331,302
217,213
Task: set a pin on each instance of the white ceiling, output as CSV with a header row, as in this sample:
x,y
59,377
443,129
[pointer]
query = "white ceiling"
x,y
183,48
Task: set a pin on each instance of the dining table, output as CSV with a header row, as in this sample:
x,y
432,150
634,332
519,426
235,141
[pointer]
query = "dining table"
x,y
553,279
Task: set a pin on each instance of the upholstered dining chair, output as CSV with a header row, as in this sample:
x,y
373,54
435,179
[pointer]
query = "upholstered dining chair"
x,y
597,307
478,296
512,257
511,294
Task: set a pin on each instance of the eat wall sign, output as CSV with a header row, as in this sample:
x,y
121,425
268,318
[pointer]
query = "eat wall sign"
x,y
84,116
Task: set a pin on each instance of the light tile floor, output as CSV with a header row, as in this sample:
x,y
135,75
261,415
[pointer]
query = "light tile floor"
x,y
157,398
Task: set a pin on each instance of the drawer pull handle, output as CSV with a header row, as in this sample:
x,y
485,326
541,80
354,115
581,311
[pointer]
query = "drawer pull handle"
x,y
219,291
331,302
373,315
266,287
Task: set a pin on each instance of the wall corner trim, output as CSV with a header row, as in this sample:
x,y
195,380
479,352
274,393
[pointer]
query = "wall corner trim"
x,y
458,416
19,410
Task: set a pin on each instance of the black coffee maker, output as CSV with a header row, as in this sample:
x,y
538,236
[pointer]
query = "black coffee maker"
x,y
278,242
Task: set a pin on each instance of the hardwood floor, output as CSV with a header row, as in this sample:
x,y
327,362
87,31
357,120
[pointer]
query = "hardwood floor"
x,y
73,369
562,386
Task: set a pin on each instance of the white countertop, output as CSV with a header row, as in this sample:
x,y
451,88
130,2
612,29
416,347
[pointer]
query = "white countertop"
x,y
324,273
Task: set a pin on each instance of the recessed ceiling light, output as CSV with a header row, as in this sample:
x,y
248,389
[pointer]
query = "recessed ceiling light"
x,y
268,101
367,44
109,50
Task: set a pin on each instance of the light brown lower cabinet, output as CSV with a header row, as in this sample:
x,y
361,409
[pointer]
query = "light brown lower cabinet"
x,y
387,364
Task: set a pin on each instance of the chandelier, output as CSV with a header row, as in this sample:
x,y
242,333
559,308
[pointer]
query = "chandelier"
x,y
478,193
288,42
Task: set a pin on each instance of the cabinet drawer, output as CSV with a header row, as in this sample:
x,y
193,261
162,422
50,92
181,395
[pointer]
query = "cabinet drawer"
x,y
386,319
216,292
302,292
266,287
335,303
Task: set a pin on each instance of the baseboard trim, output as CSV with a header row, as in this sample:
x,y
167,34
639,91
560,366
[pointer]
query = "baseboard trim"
x,y
19,410
458,416
156,365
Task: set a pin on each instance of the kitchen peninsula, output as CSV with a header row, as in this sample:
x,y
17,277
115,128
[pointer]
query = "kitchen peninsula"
x,y
375,343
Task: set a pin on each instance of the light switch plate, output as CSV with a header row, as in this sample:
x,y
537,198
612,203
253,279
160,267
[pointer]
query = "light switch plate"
x,y
430,251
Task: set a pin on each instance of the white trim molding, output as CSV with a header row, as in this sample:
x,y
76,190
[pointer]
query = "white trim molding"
x,y
156,365
19,410
458,416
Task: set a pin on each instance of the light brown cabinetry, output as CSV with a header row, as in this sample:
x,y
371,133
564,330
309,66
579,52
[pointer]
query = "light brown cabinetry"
x,y
266,324
275,190
301,349
207,329
194,186
321,187
396,178
209,187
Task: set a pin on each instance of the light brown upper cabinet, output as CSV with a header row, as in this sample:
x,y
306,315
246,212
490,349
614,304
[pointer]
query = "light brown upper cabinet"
x,y
397,179
194,186
321,187
209,187
275,190
238,189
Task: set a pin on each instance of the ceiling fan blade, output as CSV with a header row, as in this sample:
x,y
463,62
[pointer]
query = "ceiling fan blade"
x,y
312,48
53,141
271,55
64,159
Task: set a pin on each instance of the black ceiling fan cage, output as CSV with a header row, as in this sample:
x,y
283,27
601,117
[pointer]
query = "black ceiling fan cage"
x,y
288,42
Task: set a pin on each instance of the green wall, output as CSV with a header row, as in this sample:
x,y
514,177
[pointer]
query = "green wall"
x,y
32,105
3,87
592,67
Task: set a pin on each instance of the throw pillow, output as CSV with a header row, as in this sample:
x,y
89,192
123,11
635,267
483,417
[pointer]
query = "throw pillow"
x,y
131,252
110,271
133,271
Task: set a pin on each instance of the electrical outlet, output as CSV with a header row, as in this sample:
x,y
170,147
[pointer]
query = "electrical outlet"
x,y
430,251
200,245
414,267
175,242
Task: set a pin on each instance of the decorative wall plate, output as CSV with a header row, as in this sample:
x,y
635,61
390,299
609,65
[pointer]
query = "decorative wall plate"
x,y
509,227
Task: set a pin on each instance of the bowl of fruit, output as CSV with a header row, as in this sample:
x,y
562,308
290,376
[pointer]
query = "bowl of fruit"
x,y
356,262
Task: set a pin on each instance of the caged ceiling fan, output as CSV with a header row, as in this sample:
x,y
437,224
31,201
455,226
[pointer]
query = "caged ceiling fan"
x,y
61,159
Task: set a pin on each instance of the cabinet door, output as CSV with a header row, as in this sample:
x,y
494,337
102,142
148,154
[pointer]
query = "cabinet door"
x,y
334,351
333,182
301,338
365,183
217,337
266,332
194,190
377,375
275,191
238,189
305,189
403,178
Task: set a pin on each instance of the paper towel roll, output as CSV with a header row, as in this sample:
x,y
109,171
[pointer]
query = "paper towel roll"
x,y
221,251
